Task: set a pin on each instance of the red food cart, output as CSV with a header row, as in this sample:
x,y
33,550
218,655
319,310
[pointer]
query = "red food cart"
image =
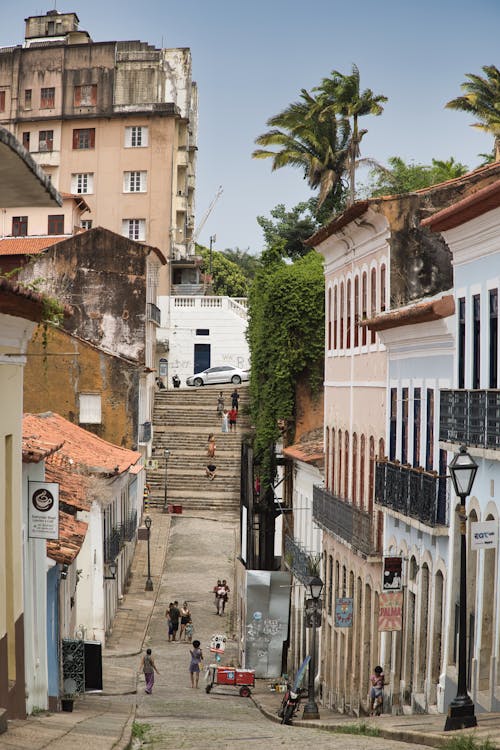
x,y
244,679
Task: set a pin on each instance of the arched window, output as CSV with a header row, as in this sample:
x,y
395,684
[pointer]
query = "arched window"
x,y
346,464
329,319
327,457
373,300
362,450
332,463
371,474
348,314
383,291
341,316
356,311
338,482
381,449
354,469
364,305
335,317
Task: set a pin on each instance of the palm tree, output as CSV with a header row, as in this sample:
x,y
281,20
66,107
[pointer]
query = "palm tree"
x,y
482,98
341,95
318,147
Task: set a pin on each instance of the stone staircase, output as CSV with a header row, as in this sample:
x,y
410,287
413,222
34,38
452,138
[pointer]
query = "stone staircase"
x,y
182,421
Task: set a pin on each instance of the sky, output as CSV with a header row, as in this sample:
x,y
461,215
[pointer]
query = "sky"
x,y
251,59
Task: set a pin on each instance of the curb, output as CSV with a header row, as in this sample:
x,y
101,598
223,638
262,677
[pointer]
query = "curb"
x,y
124,742
401,735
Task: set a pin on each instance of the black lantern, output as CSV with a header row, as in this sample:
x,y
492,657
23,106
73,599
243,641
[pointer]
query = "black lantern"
x,y
112,567
461,713
314,588
149,582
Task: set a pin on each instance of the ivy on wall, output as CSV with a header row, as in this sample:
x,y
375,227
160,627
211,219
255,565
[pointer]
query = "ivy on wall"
x,y
286,339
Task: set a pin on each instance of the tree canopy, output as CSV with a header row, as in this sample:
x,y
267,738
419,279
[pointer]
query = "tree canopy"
x,y
482,98
227,277
404,177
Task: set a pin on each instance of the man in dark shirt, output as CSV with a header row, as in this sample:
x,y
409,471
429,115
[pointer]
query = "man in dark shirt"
x,y
174,618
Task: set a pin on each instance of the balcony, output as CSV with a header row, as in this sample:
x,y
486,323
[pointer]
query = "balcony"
x,y
154,314
470,418
297,560
112,544
412,492
128,528
350,523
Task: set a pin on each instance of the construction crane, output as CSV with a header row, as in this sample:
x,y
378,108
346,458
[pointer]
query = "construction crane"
x,y
203,221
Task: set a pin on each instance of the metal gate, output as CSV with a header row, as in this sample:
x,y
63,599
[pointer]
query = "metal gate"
x,y
73,666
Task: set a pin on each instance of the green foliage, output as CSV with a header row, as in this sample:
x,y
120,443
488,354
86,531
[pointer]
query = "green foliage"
x,y
286,339
402,177
289,229
469,742
140,731
359,728
227,277
246,262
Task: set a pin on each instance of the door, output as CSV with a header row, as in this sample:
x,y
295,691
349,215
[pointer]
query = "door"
x,y
201,357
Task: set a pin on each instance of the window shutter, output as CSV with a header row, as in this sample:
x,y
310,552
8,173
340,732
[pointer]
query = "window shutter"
x,y
92,137
144,134
90,408
75,138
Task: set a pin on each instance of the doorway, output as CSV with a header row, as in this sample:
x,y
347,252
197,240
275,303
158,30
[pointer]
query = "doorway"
x,y
201,357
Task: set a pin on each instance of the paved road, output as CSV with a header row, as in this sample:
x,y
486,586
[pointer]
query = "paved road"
x,y
199,552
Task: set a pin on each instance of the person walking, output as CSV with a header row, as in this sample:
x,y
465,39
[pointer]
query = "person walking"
x,y
169,620
196,663
216,590
220,404
225,422
235,397
185,619
232,416
225,596
211,446
174,618
148,668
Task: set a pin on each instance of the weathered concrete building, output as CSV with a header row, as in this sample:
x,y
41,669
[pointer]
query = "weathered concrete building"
x,y
115,122
111,284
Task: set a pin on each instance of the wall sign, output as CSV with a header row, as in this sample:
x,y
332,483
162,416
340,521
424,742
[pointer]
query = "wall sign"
x,y
392,577
43,510
484,535
343,612
390,611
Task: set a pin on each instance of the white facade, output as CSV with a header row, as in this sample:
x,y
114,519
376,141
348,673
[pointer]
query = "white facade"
x,y
475,246
197,322
420,362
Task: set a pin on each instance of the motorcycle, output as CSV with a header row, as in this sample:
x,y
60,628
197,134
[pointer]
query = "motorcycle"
x,y
289,705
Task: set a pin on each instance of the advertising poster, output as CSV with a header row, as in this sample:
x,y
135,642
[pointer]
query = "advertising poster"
x,y
390,611
392,578
343,612
484,535
43,510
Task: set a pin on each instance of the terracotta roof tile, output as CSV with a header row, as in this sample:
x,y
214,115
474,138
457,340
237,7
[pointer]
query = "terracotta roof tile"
x,y
423,311
480,202
88,451
72,485
35,448
71,537
309,448
27,245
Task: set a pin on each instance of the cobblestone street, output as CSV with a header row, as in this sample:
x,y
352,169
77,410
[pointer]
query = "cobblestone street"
x,y
200,550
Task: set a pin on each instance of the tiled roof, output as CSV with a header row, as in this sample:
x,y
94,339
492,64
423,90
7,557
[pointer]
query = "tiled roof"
x,y
28,245
19,301
309,448
73,486
36,448
480,202
86,450
71,537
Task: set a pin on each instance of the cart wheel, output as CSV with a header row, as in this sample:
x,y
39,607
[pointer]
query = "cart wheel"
x,y
245,692
208,688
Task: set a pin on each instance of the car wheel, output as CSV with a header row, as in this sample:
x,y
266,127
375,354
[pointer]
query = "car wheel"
x,y
245,692
236,379
198,381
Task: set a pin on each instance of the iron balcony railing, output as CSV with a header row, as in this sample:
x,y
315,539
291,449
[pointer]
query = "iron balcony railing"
x,y
112,544
297,560
145,432
154,314
128,527
349,522
470,418
412,492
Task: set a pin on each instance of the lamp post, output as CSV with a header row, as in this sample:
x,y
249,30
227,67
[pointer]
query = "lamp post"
x,y
212,240
461,715
166,454
149,582
315,587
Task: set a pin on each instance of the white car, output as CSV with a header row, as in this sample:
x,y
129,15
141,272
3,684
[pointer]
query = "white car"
x,y
223,374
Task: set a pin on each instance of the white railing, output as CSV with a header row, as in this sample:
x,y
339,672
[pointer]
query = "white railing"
x,y
236,305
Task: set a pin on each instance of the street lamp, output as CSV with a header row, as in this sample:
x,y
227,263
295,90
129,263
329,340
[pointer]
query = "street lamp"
x,y
212,240
461,715
166,453
314,587
149,582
